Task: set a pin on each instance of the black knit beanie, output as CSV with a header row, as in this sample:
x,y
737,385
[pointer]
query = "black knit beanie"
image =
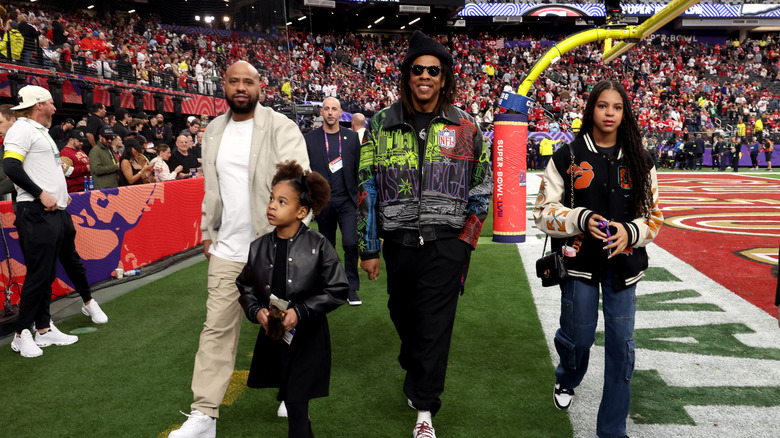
x,y
420,45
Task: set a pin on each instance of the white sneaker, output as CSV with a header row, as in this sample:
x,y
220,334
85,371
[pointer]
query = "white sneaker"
x,y
198,425
54,337
282,411
94,311
25,345
562,397
423,430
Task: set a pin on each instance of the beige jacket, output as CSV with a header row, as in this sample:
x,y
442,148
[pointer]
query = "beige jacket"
x,y
275,139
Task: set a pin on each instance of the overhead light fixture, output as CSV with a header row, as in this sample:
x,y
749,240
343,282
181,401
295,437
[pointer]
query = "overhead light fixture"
x,y
90,6
302,18
369,26
225,18
379,19
131,11
414,21
289,23
197,18
403,27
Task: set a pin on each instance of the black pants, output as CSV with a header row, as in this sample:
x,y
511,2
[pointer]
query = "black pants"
x,y
754,159
342,212
423,284
45,237
298,423
735,161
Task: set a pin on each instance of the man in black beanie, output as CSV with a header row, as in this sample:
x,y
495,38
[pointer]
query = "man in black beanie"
x,y
425,187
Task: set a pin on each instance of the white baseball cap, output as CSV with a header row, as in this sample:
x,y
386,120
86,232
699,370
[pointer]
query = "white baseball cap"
x,y
30,95
190,119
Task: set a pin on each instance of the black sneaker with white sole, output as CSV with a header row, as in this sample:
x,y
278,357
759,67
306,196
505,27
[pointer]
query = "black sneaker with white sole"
x,y
562,397
353,299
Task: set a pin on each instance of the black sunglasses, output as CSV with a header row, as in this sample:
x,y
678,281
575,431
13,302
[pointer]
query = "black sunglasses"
x,y
433,70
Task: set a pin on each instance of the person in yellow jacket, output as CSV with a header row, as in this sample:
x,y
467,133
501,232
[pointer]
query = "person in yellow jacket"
x,y
758,129
287,89
546,149
576,124
741,129
13,39
490,70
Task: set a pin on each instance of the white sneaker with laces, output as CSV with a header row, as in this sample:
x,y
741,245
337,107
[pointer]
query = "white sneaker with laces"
x,y
24,345
198,425
54,337
423,430
562,397
94,311
282,411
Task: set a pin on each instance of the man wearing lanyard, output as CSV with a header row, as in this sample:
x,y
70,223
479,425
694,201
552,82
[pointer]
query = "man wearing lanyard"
x,y
334,152
46,231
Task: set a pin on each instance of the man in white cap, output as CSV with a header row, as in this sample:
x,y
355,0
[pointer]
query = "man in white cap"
x,y
46,231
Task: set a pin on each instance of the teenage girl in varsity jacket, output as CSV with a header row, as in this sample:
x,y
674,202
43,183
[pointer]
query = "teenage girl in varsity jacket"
x,y
614,180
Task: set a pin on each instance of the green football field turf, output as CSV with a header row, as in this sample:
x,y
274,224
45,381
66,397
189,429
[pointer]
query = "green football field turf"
x,y
132,376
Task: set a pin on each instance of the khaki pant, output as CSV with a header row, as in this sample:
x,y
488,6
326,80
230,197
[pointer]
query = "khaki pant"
x,y
216,355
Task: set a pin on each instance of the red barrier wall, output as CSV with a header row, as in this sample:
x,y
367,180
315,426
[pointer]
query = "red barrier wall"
x,y
127,227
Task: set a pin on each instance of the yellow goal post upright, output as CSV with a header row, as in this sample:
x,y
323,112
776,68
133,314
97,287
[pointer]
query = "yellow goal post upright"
x,y
510,140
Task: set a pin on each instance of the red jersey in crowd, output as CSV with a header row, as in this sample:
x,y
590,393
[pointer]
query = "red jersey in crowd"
x,y
79,161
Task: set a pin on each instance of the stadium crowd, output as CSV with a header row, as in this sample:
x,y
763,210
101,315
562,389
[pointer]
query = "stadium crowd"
x,y
679,87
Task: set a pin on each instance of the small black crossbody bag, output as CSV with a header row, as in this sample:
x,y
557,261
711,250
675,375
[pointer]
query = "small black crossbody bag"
x,y
552,268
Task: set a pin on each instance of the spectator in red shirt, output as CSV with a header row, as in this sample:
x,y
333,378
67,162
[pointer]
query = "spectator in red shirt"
x,y
75,161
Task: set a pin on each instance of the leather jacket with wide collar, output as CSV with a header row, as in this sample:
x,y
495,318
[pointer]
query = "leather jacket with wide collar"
x,y
315,280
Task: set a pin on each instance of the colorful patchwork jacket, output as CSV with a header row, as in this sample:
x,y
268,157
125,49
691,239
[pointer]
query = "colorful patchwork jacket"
x,y
601,185
450,188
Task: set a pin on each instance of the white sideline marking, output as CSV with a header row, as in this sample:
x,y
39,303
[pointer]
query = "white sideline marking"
x,y
683,340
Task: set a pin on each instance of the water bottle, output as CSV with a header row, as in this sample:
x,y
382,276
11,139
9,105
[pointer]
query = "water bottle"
x,y
86,183
132,272
91,185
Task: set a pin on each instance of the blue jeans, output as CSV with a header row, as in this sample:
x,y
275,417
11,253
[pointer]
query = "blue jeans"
x,y
579,315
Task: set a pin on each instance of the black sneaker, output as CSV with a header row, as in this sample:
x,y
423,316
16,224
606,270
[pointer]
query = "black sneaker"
x,y
353,299
562,397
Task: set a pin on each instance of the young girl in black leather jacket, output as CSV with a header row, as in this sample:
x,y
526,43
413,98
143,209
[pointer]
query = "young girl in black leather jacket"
x,y
292,279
